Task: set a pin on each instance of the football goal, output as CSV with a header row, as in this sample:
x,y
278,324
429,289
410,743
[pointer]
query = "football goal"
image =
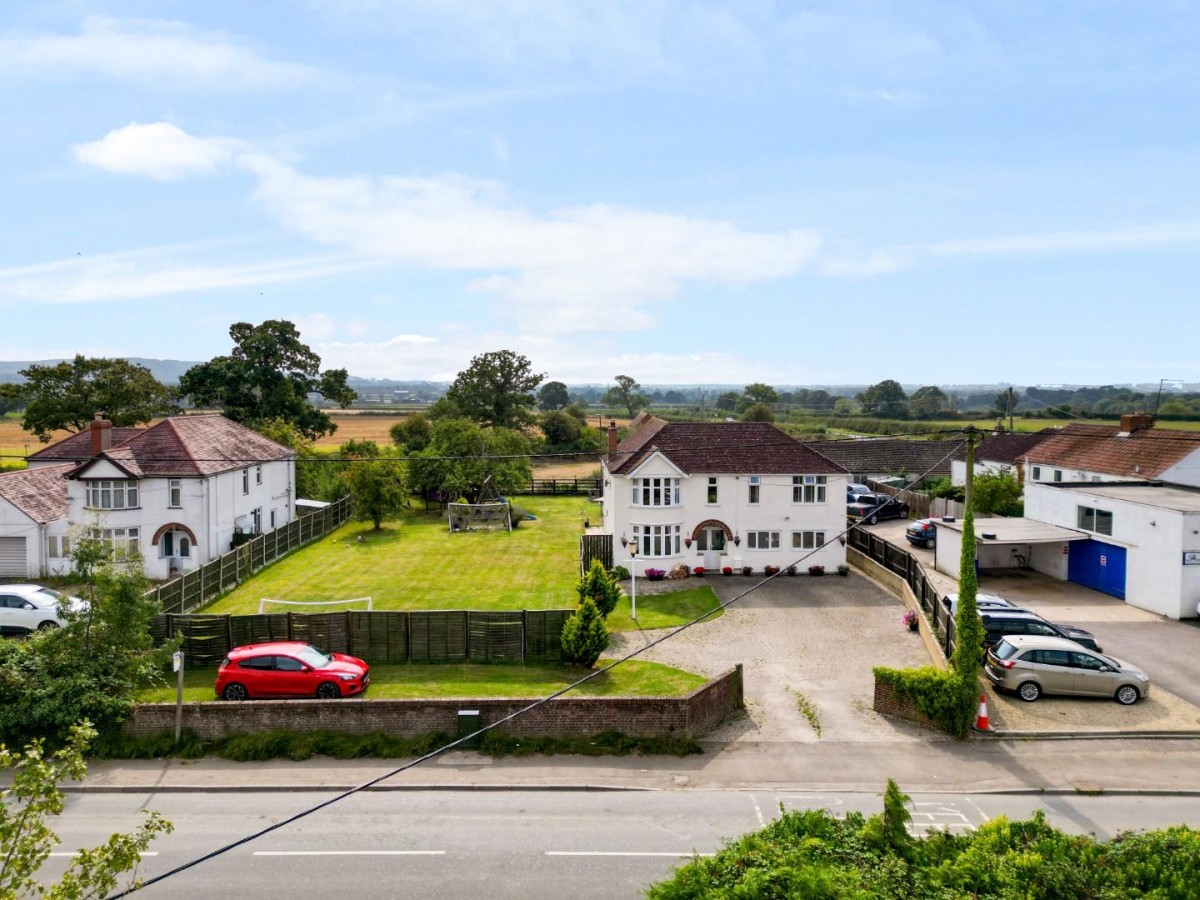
x,y
479,516
266,605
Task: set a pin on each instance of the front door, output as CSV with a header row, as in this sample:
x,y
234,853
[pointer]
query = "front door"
x,y
710,544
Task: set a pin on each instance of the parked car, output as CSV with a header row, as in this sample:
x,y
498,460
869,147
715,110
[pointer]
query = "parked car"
x,y
856,489
290,669
31,607
1032,665
998,623
982,601
922,533
880,506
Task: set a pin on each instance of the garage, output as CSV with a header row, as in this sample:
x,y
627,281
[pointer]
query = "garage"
x,y
1099,566
12,558
1006,544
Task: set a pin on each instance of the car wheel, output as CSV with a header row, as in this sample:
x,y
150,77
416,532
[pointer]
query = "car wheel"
x,y
47,625
904,513
235,692
929,543
871,520
327,690
1029,691
1127,695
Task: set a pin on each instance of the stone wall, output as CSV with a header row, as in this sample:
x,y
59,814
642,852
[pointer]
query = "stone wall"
x,y
689,716
899,706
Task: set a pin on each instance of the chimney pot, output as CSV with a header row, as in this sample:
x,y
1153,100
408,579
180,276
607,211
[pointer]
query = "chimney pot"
x,y
1131,422
612,436
101,434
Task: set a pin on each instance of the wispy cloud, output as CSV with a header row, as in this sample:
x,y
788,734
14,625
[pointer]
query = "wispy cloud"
x,y
152,53
161,151
1138,237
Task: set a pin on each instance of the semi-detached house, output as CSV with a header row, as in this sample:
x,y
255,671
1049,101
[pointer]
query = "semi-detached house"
x,y
176,493
718,494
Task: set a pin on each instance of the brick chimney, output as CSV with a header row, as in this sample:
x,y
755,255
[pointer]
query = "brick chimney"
x,y
612,436
101,434
1131,422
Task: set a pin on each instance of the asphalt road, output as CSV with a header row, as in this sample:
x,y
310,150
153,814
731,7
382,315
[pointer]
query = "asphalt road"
x,y
509,844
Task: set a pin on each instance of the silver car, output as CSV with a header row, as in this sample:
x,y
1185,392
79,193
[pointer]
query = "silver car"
x,y
1032,665
31,607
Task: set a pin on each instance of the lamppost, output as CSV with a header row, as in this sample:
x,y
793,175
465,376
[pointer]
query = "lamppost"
x,y
631,547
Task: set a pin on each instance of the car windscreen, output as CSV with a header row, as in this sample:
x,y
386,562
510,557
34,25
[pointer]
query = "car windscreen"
x,y
1004,650
45,593
313,657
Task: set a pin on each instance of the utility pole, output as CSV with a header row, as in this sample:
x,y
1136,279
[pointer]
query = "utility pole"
x,y
1010,408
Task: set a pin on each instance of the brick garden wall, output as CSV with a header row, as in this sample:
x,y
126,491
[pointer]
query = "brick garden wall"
x,y
899,706
689,716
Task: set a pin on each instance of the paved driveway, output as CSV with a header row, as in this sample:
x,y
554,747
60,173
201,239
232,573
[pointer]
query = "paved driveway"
x,y
816,638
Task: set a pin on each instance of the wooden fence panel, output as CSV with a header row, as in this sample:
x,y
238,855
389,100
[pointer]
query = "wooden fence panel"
x,y
379,637
328,632
437,635
204,640
595,546
543,634
495,636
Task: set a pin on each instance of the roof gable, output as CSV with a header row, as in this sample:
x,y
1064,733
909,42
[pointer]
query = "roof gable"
x,y
78,447
40,493
1146,453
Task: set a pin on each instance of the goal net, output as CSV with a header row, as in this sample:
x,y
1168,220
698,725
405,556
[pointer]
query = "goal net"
x,y
479,516
310,606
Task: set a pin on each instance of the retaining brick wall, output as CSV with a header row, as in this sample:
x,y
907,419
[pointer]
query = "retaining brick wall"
x,y
689,716
899,706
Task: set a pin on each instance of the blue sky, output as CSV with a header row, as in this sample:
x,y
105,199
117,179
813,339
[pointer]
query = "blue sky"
x,y
795,193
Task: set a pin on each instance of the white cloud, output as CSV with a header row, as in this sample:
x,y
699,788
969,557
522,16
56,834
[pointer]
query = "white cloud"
x,y
152,53
315,326
160,150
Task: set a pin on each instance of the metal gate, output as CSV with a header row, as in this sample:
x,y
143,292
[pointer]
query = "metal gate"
x,y
1097,565
12,558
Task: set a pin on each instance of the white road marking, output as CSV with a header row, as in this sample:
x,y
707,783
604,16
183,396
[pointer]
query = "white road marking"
x,y
621,853
61,853
757,811
936,816
349,852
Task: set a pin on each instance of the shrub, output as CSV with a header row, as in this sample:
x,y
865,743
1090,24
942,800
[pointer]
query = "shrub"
x,y
600,587
816,570
584,635
948,699
843,570
620,573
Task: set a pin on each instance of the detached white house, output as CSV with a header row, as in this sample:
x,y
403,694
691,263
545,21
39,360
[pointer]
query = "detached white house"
x,y
176,492
718,494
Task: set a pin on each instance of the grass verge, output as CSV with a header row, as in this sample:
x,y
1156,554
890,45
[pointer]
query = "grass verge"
x,y
665,610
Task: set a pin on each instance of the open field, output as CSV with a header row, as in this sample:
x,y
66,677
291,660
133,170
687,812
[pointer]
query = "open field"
x,y
634,678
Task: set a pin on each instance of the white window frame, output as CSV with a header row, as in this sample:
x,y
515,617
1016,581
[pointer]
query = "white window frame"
x,y
1058,474
808,540
809,489
258,474
753,489
175,493
122,541
111,494
762,539
245,481
1037,473
1085,513
58,546
657,541
713,491
657,491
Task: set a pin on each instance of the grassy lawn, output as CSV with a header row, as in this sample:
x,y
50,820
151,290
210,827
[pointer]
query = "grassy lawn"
x,y
635,678
664,610
414,563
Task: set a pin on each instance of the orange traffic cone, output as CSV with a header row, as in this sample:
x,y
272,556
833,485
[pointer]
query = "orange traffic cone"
x,y
981,720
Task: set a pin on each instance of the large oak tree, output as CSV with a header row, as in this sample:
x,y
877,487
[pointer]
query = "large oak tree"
x,y
268,377
496,390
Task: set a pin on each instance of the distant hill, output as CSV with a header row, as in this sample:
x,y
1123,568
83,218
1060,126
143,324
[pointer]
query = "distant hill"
x,y
165,370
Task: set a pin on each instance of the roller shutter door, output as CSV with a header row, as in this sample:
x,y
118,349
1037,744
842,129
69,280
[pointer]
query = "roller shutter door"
x,y
12,558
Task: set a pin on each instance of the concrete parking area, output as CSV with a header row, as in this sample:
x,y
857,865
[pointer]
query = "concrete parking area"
x,y
806,643
1166,649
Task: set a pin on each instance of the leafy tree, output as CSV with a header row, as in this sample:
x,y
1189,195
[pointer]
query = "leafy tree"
x,y
496,390
10,398
844,406
584,635
758,412
412,432
462,457
601,587
378,489
727,402
625,394
356,449
928,402
760,393
885,400
562,430
553,395
68,394
318,474
26,839
968,628
997,494
674,398
269,375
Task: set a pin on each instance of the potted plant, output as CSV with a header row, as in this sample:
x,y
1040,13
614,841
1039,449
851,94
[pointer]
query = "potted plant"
x,y
816,570
791,570
843,570
747,570
911,618
727,570
698,571
656,574
771,570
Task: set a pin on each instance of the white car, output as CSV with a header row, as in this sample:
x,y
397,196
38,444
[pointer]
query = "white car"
x,y
982,601
30,607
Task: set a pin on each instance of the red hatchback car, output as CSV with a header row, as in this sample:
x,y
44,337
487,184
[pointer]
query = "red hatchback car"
x,y
290,669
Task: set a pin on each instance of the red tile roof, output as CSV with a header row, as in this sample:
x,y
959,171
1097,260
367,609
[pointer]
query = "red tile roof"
x,y
182,446
78,447
40,493
1007,447
718,448
1146,453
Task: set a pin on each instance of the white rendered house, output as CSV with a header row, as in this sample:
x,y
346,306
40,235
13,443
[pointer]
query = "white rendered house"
x,y
718,494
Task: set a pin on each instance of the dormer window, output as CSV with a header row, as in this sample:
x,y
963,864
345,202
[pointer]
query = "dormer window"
x,y
111,494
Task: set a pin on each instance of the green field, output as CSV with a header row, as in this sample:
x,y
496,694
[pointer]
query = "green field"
x,y
634,678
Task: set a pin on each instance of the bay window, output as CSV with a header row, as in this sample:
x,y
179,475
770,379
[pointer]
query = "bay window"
x,y
655,541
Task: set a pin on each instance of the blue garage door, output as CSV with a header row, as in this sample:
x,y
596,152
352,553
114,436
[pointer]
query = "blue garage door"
x,y
1098,566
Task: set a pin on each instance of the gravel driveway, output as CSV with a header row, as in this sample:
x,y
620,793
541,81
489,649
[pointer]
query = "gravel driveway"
x,y
802,636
